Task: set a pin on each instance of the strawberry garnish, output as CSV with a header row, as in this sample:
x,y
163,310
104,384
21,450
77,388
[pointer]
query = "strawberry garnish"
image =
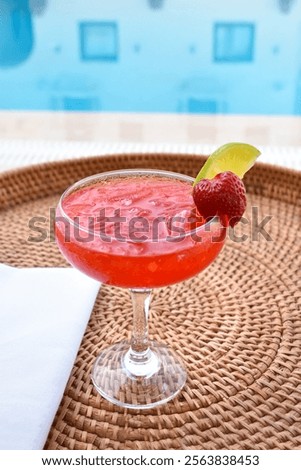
x,y
224,195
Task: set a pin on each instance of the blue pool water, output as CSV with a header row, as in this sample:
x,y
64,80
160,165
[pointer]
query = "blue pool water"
x,y
175,56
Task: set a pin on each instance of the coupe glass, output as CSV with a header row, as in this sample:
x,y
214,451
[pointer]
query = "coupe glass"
x,y
138,373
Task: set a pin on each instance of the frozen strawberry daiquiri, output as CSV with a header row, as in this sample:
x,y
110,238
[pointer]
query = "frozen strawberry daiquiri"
x,y
136,229
141,229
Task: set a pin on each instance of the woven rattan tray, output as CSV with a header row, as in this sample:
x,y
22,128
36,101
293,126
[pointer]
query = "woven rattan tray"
x,y
237,325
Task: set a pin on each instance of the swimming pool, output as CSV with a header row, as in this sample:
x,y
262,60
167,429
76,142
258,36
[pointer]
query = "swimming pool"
x,y
172,56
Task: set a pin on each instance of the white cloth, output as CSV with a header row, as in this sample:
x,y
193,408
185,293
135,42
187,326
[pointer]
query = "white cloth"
x,y
43,316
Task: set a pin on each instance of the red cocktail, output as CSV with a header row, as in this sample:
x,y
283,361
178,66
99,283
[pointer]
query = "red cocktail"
x,y
137,229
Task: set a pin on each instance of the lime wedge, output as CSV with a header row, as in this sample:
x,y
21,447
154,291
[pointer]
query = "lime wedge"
x,y
235,156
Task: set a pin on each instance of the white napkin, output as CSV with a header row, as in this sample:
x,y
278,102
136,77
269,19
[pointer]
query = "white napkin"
x,y
43,316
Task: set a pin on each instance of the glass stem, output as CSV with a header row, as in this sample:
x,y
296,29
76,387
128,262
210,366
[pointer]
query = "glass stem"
x,y
141,301
140,360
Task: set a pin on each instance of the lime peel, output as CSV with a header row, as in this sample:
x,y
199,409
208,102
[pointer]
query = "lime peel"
x,y
234,156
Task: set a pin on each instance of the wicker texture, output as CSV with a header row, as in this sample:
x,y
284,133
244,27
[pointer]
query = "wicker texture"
x,y
237,325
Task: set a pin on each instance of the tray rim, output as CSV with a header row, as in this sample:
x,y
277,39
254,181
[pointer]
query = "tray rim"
x,y
23,170
57,163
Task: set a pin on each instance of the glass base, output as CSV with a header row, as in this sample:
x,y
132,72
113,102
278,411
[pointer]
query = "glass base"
x,y
138,382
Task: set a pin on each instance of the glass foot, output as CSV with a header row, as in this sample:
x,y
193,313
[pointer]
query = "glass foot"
x,y
145,382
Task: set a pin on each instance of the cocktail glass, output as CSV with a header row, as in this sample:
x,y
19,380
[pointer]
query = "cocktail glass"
x,y
108,226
